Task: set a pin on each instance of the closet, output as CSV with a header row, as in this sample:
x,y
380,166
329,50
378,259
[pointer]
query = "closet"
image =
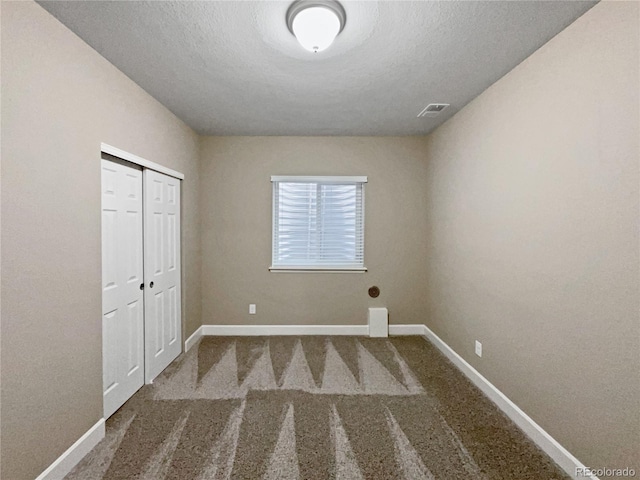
x,y
141,295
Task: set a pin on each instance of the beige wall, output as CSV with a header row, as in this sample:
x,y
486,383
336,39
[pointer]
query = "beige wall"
x,y
236,230
60,100
533,196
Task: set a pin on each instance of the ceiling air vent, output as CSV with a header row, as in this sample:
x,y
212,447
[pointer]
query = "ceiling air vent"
x,y
432,110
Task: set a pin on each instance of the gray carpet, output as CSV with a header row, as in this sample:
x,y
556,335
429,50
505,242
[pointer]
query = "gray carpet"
x,y
344,408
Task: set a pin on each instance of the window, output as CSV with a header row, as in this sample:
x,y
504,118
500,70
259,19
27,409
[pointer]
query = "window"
x,y
318,223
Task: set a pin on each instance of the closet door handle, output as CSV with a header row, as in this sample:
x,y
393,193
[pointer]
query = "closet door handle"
x,y
151,285
142,286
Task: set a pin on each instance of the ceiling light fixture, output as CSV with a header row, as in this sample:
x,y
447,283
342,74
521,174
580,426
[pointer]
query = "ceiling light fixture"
x,y
316,23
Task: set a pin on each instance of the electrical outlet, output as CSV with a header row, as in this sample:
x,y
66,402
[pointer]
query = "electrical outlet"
x,y
252,309
478,348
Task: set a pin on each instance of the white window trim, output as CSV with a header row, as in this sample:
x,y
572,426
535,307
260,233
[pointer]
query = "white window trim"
x,y
317,268
314,269
312,178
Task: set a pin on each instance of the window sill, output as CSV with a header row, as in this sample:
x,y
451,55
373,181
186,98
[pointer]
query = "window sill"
x,y
293,269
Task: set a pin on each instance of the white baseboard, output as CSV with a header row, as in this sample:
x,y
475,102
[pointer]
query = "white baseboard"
x,y
193,339
270,330
570,464
76,452
417,329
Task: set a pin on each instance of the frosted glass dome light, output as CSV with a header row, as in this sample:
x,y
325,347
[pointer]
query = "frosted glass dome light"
x,y
316,28
316,23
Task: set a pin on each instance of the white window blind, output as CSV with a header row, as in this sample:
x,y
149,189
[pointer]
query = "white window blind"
x,y
318,223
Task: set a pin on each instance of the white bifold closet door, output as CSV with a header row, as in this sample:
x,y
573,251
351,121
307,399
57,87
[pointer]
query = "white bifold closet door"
x,y
122,278
162,272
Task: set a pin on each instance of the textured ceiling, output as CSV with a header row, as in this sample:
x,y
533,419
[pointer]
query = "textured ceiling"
x,y
233,68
